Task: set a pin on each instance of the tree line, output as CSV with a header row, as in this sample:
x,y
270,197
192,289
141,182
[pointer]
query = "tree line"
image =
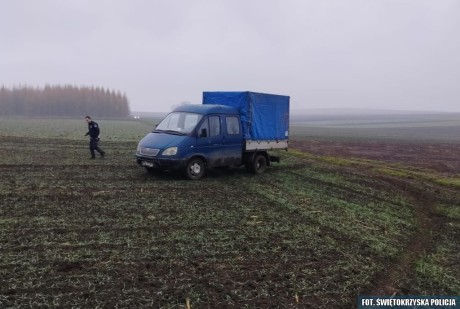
x,y
63,101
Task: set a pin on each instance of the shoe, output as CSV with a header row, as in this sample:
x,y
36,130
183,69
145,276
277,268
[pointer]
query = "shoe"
x,y
92,158
102,154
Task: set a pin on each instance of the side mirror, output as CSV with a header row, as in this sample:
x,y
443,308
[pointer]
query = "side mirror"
x,y
204,133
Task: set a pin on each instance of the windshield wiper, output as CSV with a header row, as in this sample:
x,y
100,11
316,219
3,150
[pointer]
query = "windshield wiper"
x,y
174,132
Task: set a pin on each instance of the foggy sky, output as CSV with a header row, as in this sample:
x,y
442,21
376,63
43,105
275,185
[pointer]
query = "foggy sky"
x,y
379,54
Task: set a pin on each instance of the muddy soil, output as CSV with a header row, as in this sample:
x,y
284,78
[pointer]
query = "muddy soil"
x,y
440,157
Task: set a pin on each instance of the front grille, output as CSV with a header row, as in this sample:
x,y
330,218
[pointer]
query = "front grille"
x,y
150,152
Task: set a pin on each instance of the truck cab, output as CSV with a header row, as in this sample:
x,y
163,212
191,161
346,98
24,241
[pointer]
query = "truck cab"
x,y
193,138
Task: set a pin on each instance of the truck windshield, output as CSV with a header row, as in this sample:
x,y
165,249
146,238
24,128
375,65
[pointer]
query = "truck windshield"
x,y
179,123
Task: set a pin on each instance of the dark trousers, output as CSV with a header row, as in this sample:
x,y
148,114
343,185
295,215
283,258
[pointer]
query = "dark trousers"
x,y
93,145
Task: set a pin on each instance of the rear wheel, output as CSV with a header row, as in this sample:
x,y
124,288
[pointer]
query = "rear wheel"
x,y
195,169
258,165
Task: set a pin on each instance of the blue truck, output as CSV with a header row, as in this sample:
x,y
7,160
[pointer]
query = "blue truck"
x,y
228,129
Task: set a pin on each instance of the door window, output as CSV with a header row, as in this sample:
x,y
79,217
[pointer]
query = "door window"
x,y
233,126
214,126
204,129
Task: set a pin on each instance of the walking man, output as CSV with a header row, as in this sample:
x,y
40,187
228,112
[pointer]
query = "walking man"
x,y
93,132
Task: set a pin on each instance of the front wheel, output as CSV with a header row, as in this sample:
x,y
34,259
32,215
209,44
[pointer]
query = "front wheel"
x,y
195,169
258,165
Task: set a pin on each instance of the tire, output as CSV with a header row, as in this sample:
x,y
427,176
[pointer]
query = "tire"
x,y
195,169
258,165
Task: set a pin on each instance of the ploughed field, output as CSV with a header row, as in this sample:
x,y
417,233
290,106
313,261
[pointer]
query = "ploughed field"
x,y
334,220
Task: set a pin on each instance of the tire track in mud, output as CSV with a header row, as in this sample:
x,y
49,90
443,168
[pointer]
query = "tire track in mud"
x,y
391,281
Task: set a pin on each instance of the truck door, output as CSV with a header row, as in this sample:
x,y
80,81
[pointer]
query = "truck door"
x,y
232,141
209,140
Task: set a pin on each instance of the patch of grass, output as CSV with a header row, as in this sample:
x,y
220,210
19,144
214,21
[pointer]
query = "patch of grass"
x,y
449,182
424,176
392,172
437,272
450,211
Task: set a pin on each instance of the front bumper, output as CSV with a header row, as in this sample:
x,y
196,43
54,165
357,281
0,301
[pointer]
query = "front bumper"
x,y
161,163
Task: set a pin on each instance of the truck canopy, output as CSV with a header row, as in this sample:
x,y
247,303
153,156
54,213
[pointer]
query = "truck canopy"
x,y
263,116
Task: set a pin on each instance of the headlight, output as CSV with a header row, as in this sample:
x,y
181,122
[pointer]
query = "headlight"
x,y
171,151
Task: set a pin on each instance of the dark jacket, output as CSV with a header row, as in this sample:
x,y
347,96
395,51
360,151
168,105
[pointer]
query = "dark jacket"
x,y
93,129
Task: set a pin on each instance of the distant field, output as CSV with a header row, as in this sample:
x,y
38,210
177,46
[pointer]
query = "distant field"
x,y
317,230
425,127
75,129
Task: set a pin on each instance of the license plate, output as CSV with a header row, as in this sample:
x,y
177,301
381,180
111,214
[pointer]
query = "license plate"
x,y
146,163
